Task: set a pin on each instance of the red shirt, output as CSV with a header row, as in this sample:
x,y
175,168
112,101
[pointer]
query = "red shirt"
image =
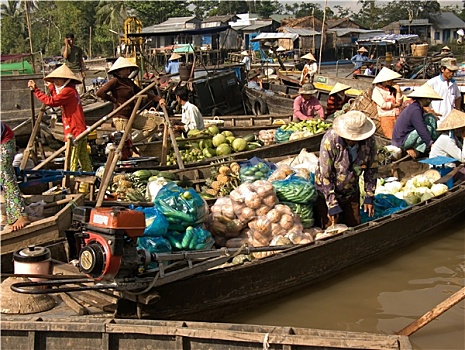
x,y
7,133
72,114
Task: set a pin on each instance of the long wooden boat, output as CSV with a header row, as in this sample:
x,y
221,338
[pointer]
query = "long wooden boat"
x,y
87,333
58,217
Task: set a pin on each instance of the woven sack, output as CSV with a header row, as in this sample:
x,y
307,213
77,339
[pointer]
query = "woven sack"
x,y
365,104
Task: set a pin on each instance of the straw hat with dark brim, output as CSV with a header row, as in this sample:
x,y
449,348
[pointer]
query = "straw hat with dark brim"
x,y
121,63
307,89
354,126
20,303
309,56
338,88
63,72
244,53
386,74
362,49
454,120
425,91
174,56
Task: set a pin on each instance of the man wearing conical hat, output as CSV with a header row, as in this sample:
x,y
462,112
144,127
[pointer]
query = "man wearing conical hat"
x,y
119,90
415,129
309,70
446,86
358,60
388,99
347,152
61,82
451,141
173,64
337,99
74,59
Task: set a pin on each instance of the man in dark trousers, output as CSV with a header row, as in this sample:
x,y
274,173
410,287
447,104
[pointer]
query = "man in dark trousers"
x,y
74,59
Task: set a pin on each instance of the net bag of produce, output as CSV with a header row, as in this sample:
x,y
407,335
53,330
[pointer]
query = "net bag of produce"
x,y
223,222
295,189
255,169
304,211
181,207
155,222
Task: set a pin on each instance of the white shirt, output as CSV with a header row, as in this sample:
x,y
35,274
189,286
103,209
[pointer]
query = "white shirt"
x,y
448,146
191,117
246,61
449,91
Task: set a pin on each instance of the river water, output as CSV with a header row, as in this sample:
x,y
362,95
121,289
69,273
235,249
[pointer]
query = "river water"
x,y
384,296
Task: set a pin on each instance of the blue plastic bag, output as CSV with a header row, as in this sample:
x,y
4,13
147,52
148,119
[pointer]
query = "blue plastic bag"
x,y
282,135
255,169
155,222
154,245
193,238
385,204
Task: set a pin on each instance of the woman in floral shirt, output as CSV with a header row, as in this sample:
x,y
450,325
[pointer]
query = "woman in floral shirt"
x,y
347,151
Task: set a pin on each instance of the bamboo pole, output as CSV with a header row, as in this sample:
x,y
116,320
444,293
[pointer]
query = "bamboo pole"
x,y
433,313
95,125
322,36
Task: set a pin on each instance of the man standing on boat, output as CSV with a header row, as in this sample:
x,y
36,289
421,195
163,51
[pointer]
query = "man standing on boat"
x,y
74,59
347,151
358,60
446,87
246,60
191,116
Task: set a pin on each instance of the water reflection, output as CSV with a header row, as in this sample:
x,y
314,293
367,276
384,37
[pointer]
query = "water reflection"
x,y
385,296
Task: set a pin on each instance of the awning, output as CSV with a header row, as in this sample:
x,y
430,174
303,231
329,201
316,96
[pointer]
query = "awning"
x,y
275,36
160,32
390,39
4,58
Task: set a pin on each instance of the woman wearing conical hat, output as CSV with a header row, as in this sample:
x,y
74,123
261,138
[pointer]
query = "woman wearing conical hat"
x,y
309,70
358,60
450,142
62,85
120,89
415,129
388,99
173,64
337,99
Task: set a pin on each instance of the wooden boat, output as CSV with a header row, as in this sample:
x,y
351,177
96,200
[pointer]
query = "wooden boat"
x,y
97,333
259,102
58,215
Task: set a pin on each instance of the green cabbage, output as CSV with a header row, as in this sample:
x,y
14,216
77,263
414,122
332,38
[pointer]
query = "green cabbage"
x,y
438,189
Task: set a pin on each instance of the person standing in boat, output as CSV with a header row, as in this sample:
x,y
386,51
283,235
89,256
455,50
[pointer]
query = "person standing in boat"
x,y
61,83
309,70
246,60
191,117
14,201
74,59
388,99
451,141
337,99
306,105
120,89
173,64
446,86
415,128
347,151
358,60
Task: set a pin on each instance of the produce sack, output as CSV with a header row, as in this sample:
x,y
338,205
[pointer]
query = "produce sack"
x,y
295,189
385,204
255,169
282,135
155,222
267,136
253,199
304,211
223,222
193,238
181,207
154,245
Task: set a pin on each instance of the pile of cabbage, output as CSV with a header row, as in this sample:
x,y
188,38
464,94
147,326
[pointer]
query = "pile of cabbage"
x,y
417,189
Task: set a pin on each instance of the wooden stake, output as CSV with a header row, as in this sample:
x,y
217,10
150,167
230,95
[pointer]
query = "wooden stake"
x,y
433,313
68,152
164,145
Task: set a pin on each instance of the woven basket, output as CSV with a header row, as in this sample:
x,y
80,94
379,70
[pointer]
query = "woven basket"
x,y
419,50
365,104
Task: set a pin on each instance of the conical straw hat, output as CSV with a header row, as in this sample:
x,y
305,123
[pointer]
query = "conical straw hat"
x,y
309,56
425,91
339,87
63,72
280,49
454,120
446,48
122,62
174,56
362,49
19,303
386,74
245,53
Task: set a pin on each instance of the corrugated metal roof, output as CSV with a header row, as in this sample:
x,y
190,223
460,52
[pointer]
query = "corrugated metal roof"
x,y
258,25
262,36
224,19
390,39
176,20
415,22
448,20
345,31
301,31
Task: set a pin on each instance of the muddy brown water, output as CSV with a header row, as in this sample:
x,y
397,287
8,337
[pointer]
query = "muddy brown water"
x,y
385,295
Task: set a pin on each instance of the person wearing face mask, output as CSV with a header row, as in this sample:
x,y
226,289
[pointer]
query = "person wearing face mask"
x,y
120,89
62,86
337,99
415,129
388,99
446,86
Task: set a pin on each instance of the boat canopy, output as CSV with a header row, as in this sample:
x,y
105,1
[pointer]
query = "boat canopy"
x,y
275,36
389,39
160,32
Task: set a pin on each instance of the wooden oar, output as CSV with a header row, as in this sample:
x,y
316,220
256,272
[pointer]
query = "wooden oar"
x,y
449,175
433,313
